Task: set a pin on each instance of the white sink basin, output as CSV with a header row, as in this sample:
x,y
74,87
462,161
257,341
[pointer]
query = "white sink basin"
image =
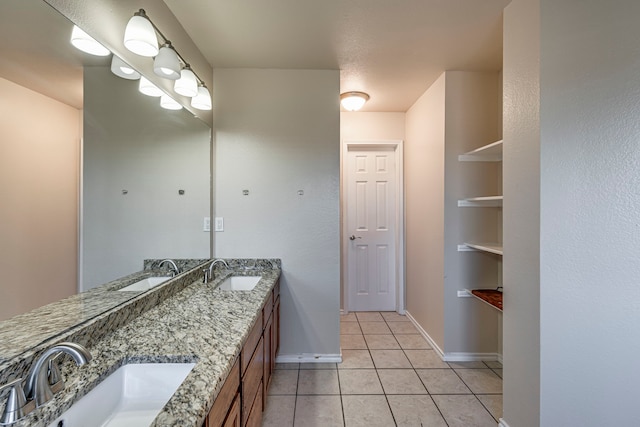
x,y
131,396
239,283
145,284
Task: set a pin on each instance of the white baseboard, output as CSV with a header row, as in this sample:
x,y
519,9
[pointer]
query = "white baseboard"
x,y
502,423
453,356
500,358
309,358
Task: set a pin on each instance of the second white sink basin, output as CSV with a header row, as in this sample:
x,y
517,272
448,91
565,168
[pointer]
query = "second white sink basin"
x,y
239,283
132,396
145,284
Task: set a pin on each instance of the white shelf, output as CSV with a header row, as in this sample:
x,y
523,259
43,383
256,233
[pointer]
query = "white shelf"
x,y
481,202
487,153
494,248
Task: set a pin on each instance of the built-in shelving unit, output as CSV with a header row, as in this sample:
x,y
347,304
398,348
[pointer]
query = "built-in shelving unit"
x,y
487,153
481,202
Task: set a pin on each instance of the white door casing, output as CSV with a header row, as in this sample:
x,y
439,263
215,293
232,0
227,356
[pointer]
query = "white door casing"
x,y
372,229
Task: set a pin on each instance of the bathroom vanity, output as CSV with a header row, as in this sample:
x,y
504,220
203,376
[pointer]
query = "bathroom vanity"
x,y
231,337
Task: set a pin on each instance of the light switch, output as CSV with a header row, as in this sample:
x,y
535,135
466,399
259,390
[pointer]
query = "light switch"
x,y
207,224
219,223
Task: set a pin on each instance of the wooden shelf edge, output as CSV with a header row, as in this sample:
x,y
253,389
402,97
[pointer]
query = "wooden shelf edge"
x,y
489,297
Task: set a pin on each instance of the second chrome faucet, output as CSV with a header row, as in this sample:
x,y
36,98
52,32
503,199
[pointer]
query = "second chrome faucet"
x,y
208,272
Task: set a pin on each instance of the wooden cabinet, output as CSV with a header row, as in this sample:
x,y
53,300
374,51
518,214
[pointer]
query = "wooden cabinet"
x,y
233,417
227,397
242,398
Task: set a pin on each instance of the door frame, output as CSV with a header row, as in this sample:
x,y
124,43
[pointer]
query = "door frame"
x,y
397,146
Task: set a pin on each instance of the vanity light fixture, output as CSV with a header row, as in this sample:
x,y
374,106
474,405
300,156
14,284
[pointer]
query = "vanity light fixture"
x,y
122,69
187,84
149,88
86,43
169,103
167,63
140,36
353,101
202,101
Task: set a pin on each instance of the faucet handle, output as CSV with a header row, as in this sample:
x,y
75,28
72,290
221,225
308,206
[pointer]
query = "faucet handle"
x,y
53,374
17,405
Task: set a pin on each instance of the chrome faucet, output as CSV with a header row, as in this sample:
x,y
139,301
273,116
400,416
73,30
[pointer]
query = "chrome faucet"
x,y
208,273
38,387
173,268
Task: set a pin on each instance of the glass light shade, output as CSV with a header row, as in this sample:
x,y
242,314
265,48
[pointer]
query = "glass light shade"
x,y
86,43
202,101
187,84
122,69
169,103
149,88
167,63
353,101
140,37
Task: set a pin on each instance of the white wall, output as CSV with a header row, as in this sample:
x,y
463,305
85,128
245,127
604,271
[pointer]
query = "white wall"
x,y
39,164
590,213
521,269
131,143
278,132
424,210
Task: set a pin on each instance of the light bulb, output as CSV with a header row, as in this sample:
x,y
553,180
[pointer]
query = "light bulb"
x,y
139,35
149,88
202,101
187,84
86,43
169,103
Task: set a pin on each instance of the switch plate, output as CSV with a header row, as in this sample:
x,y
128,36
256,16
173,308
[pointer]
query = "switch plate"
x,y
206,224
464,294
219,223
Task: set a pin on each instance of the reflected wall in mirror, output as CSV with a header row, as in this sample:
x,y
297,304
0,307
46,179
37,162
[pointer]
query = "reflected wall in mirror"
x,y
146,180
42,116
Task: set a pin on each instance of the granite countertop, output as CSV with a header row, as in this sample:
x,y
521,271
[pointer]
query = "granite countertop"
x,y
200,324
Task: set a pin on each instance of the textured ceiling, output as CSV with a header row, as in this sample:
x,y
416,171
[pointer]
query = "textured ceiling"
x,y
392,50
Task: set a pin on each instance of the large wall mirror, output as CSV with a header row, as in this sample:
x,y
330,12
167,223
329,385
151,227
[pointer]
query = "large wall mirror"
x,y
96,177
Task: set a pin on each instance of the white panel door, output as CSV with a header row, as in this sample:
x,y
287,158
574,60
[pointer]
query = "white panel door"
x,y
371,229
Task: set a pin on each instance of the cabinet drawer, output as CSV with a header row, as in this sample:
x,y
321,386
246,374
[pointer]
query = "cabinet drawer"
x,y
266,309
233,417
250,345
252,381
225,398
255,416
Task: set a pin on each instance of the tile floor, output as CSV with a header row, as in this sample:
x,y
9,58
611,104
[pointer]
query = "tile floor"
x,y
389,376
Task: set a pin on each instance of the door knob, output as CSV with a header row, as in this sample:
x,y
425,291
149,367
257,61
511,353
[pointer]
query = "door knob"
x,y
354,237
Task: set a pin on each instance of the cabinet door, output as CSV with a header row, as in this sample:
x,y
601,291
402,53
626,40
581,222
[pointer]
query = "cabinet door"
x,y
252,382
268,358
233,418
225,398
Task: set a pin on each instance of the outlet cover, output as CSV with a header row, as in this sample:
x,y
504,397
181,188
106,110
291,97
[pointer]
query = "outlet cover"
x,y
206,224
219,223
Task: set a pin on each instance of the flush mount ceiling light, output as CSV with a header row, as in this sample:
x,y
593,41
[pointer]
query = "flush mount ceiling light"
x,y
140,36
202,101
187,84
149,88
167,63
122,69
169,103
86,43
353,101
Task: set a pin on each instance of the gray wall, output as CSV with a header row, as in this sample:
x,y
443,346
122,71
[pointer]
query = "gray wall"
x,y
590,212
131,143
521,270
278,132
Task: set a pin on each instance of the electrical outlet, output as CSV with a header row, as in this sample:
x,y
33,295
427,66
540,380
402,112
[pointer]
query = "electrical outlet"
x,y
207,224
219,223
464,294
